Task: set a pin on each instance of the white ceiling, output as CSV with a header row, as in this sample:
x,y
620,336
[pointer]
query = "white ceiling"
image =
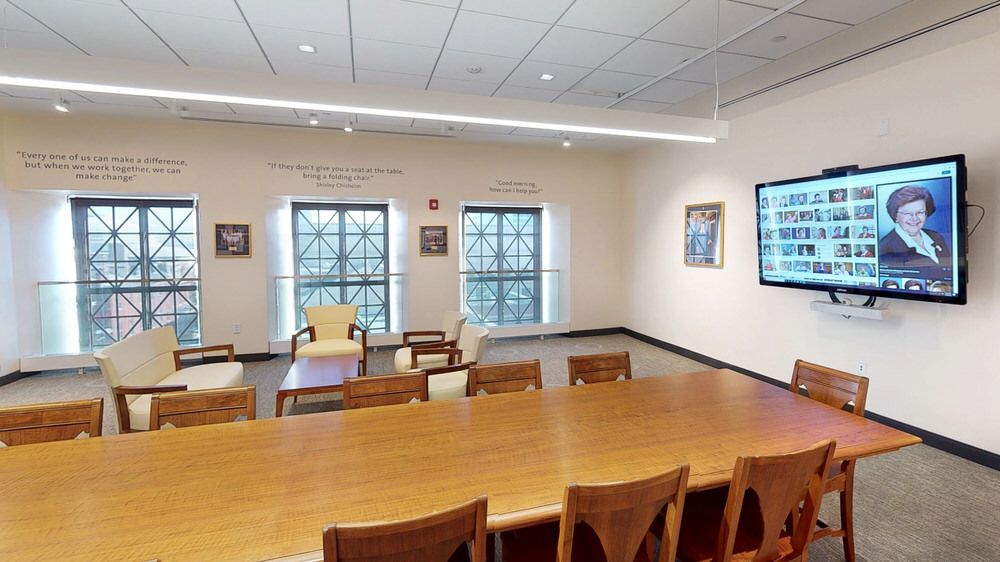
x,y
634,55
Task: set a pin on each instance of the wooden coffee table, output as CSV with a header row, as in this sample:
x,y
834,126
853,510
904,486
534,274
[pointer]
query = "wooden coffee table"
x,y
315,375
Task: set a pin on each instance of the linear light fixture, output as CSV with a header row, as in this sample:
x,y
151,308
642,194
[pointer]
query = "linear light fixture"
x,y
335,108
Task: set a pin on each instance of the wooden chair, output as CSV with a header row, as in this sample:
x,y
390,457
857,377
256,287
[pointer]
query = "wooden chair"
x,y
202,407
382,390
842,391
331,330
52,421
588,369
609,521
436,536
495,378
748,521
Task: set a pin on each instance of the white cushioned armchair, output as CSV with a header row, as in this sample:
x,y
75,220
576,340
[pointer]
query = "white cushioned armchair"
x,y
150,362
447,336
331,329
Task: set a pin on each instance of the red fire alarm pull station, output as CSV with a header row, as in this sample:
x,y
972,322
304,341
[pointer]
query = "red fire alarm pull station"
x,y
434,204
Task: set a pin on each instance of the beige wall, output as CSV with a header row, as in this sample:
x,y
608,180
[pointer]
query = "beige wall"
x,y
933,366
229,168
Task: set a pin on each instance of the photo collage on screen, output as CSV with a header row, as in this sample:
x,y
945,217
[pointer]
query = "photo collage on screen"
x,y
827,236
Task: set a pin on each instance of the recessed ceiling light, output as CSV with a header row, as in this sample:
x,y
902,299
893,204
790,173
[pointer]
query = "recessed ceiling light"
x,y
546,76
474,69
307,48
779,38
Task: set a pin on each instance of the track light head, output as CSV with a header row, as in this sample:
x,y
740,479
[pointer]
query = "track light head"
x,y
313,119
60,103
566,140
348,126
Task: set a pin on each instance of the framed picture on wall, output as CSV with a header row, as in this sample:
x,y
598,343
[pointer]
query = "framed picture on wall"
x,y
433,240
232,240
703,234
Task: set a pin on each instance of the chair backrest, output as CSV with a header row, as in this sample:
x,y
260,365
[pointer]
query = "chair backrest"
x,y
332,321
382,390
431,537
620,514
496,378
202,407
779,482
472,342
830,386
602,367
452,324
141,359
52,421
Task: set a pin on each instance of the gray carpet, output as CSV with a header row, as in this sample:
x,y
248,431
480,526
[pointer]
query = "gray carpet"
x,y
915,504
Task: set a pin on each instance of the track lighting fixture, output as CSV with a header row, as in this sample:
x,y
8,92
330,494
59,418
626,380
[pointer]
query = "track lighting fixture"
x,y
60,103
566,139
347,125
313,119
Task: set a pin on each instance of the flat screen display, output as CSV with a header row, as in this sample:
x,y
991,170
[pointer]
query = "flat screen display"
x,y
897,231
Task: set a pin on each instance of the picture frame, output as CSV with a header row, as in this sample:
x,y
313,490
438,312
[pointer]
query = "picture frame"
x,y
232,240
703,233
433,240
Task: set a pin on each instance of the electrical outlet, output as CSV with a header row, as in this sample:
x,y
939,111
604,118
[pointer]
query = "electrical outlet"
x,y
862,369
236,328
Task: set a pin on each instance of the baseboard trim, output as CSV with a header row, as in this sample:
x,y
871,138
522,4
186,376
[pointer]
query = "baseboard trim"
x,y
250,357
597,332
940,442
14,376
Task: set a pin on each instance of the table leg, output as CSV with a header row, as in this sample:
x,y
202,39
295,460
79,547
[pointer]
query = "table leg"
x,y
279,404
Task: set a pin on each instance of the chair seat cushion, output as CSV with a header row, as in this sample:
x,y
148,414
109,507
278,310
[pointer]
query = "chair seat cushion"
x,y
447,385
199,377
404,360
328,348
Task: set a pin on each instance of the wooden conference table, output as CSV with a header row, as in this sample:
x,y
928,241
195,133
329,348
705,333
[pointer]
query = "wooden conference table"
x,y
265,488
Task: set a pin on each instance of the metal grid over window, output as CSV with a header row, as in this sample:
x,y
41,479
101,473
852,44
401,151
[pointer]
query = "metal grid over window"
x,y
341,258
502,259
138,260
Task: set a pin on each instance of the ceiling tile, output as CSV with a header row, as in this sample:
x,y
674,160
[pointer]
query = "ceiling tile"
x,y
200,8
730,66
383,120
650,58
394,79
156,52
494,35
224,61
135,101
301,69
547,11
197,106
524,131
527,75
78,21
202,34
15,19
633,104
799,32
694,23
32,93
495,129
283,43
671,91
322,16
462,86
455,65
611,82
399,21
392,57
847,11
625,17
589,100
48,41
521,93
578,47
240,109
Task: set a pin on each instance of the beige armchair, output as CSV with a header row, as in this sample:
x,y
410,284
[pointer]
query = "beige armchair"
x,y
453,384
149,362
451,329
331,331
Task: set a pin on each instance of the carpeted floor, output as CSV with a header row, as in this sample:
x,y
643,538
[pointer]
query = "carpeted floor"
x,y
917,504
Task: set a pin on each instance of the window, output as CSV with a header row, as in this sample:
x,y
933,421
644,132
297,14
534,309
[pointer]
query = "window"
x,y
139,261
340,258
502,262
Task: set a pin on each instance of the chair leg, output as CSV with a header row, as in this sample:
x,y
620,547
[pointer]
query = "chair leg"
x,y
847,520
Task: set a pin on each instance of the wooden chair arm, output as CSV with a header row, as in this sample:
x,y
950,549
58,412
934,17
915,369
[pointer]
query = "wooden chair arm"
x,y
227,347
448,368
119,392
297,335
437,333
454,354
364,336
437,344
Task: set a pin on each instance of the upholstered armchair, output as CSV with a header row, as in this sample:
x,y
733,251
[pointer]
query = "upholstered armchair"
x,y
451,329
471,345
149,362
331,330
